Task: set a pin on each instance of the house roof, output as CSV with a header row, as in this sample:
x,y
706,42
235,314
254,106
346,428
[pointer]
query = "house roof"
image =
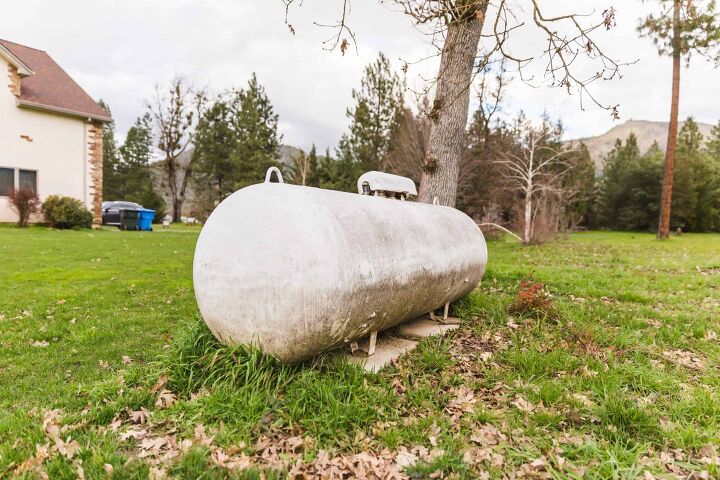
x,y
46,86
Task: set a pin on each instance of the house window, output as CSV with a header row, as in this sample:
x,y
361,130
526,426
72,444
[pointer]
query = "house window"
x,y
7,181
28,179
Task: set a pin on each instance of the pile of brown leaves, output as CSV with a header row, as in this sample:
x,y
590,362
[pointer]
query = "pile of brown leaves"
x,y
57,443
685,359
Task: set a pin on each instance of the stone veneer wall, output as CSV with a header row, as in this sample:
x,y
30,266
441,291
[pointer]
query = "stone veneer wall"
x,y
14,80
95,157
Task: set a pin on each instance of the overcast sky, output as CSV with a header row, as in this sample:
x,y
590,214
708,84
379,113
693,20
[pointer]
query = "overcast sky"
x,y
119,50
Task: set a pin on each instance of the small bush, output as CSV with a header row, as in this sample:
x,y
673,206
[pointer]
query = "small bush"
x,y
532,299
66,212
25,202
49,206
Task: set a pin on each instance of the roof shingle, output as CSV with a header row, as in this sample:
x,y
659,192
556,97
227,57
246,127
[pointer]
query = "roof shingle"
x,y
51,87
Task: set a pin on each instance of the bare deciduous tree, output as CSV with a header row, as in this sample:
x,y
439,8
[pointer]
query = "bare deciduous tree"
x,y
408,143
457,27
300,169
534,169
175,111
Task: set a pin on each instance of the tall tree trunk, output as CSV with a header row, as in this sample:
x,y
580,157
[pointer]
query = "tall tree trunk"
x,y
450,110
187,173
528,215
666,202
171,171
177,209
529,186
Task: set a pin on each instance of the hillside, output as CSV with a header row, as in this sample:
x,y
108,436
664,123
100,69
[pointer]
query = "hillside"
x,y
287,152
646,131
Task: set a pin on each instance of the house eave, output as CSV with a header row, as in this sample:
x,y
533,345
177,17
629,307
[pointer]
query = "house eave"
x,y
62,111
22,68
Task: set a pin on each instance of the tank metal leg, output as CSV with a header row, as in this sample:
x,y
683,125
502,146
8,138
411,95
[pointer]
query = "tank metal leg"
x,y
444,318
373,343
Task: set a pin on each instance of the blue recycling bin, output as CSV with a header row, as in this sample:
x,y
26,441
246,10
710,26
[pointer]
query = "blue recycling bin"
x,y
145,218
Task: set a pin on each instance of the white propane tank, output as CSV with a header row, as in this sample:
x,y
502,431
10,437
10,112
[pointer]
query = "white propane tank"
x,y
299,270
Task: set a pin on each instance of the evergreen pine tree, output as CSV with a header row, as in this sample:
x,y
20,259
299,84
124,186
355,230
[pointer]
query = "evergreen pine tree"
x,y
110,159
579,185
688,164
713,144
257,143
329,174
236,142
313,167
629,191
215,141
134,175
697,189
372,120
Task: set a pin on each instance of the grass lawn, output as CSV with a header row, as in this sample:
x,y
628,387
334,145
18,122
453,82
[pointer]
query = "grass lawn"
x,y
107,371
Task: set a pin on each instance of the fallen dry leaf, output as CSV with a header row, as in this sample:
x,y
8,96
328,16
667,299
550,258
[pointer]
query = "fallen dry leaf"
x,y
523,405
405,458
464,402
231,462
157,473
165,399
68,448
200,437
137,434
79,470
487,435
139,416
160,384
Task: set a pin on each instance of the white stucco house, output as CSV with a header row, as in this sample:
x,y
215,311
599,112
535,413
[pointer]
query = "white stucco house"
x,y
50,131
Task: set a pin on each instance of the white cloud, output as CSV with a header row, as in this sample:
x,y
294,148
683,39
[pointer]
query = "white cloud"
x,y
118,51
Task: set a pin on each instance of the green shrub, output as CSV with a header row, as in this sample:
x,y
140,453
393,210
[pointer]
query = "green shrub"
x,y
66,212
49,206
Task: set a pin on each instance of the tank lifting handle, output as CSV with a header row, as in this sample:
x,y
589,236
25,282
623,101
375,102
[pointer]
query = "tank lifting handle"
x,y
278,174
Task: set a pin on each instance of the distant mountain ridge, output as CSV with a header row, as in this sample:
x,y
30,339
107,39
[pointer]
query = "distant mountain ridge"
x,y
647,132
285,158
287,153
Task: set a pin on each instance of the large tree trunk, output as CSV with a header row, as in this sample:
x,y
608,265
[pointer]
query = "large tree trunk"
x,y
666,202
177,209
180,200
177,192
450,110
527,234
171,172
